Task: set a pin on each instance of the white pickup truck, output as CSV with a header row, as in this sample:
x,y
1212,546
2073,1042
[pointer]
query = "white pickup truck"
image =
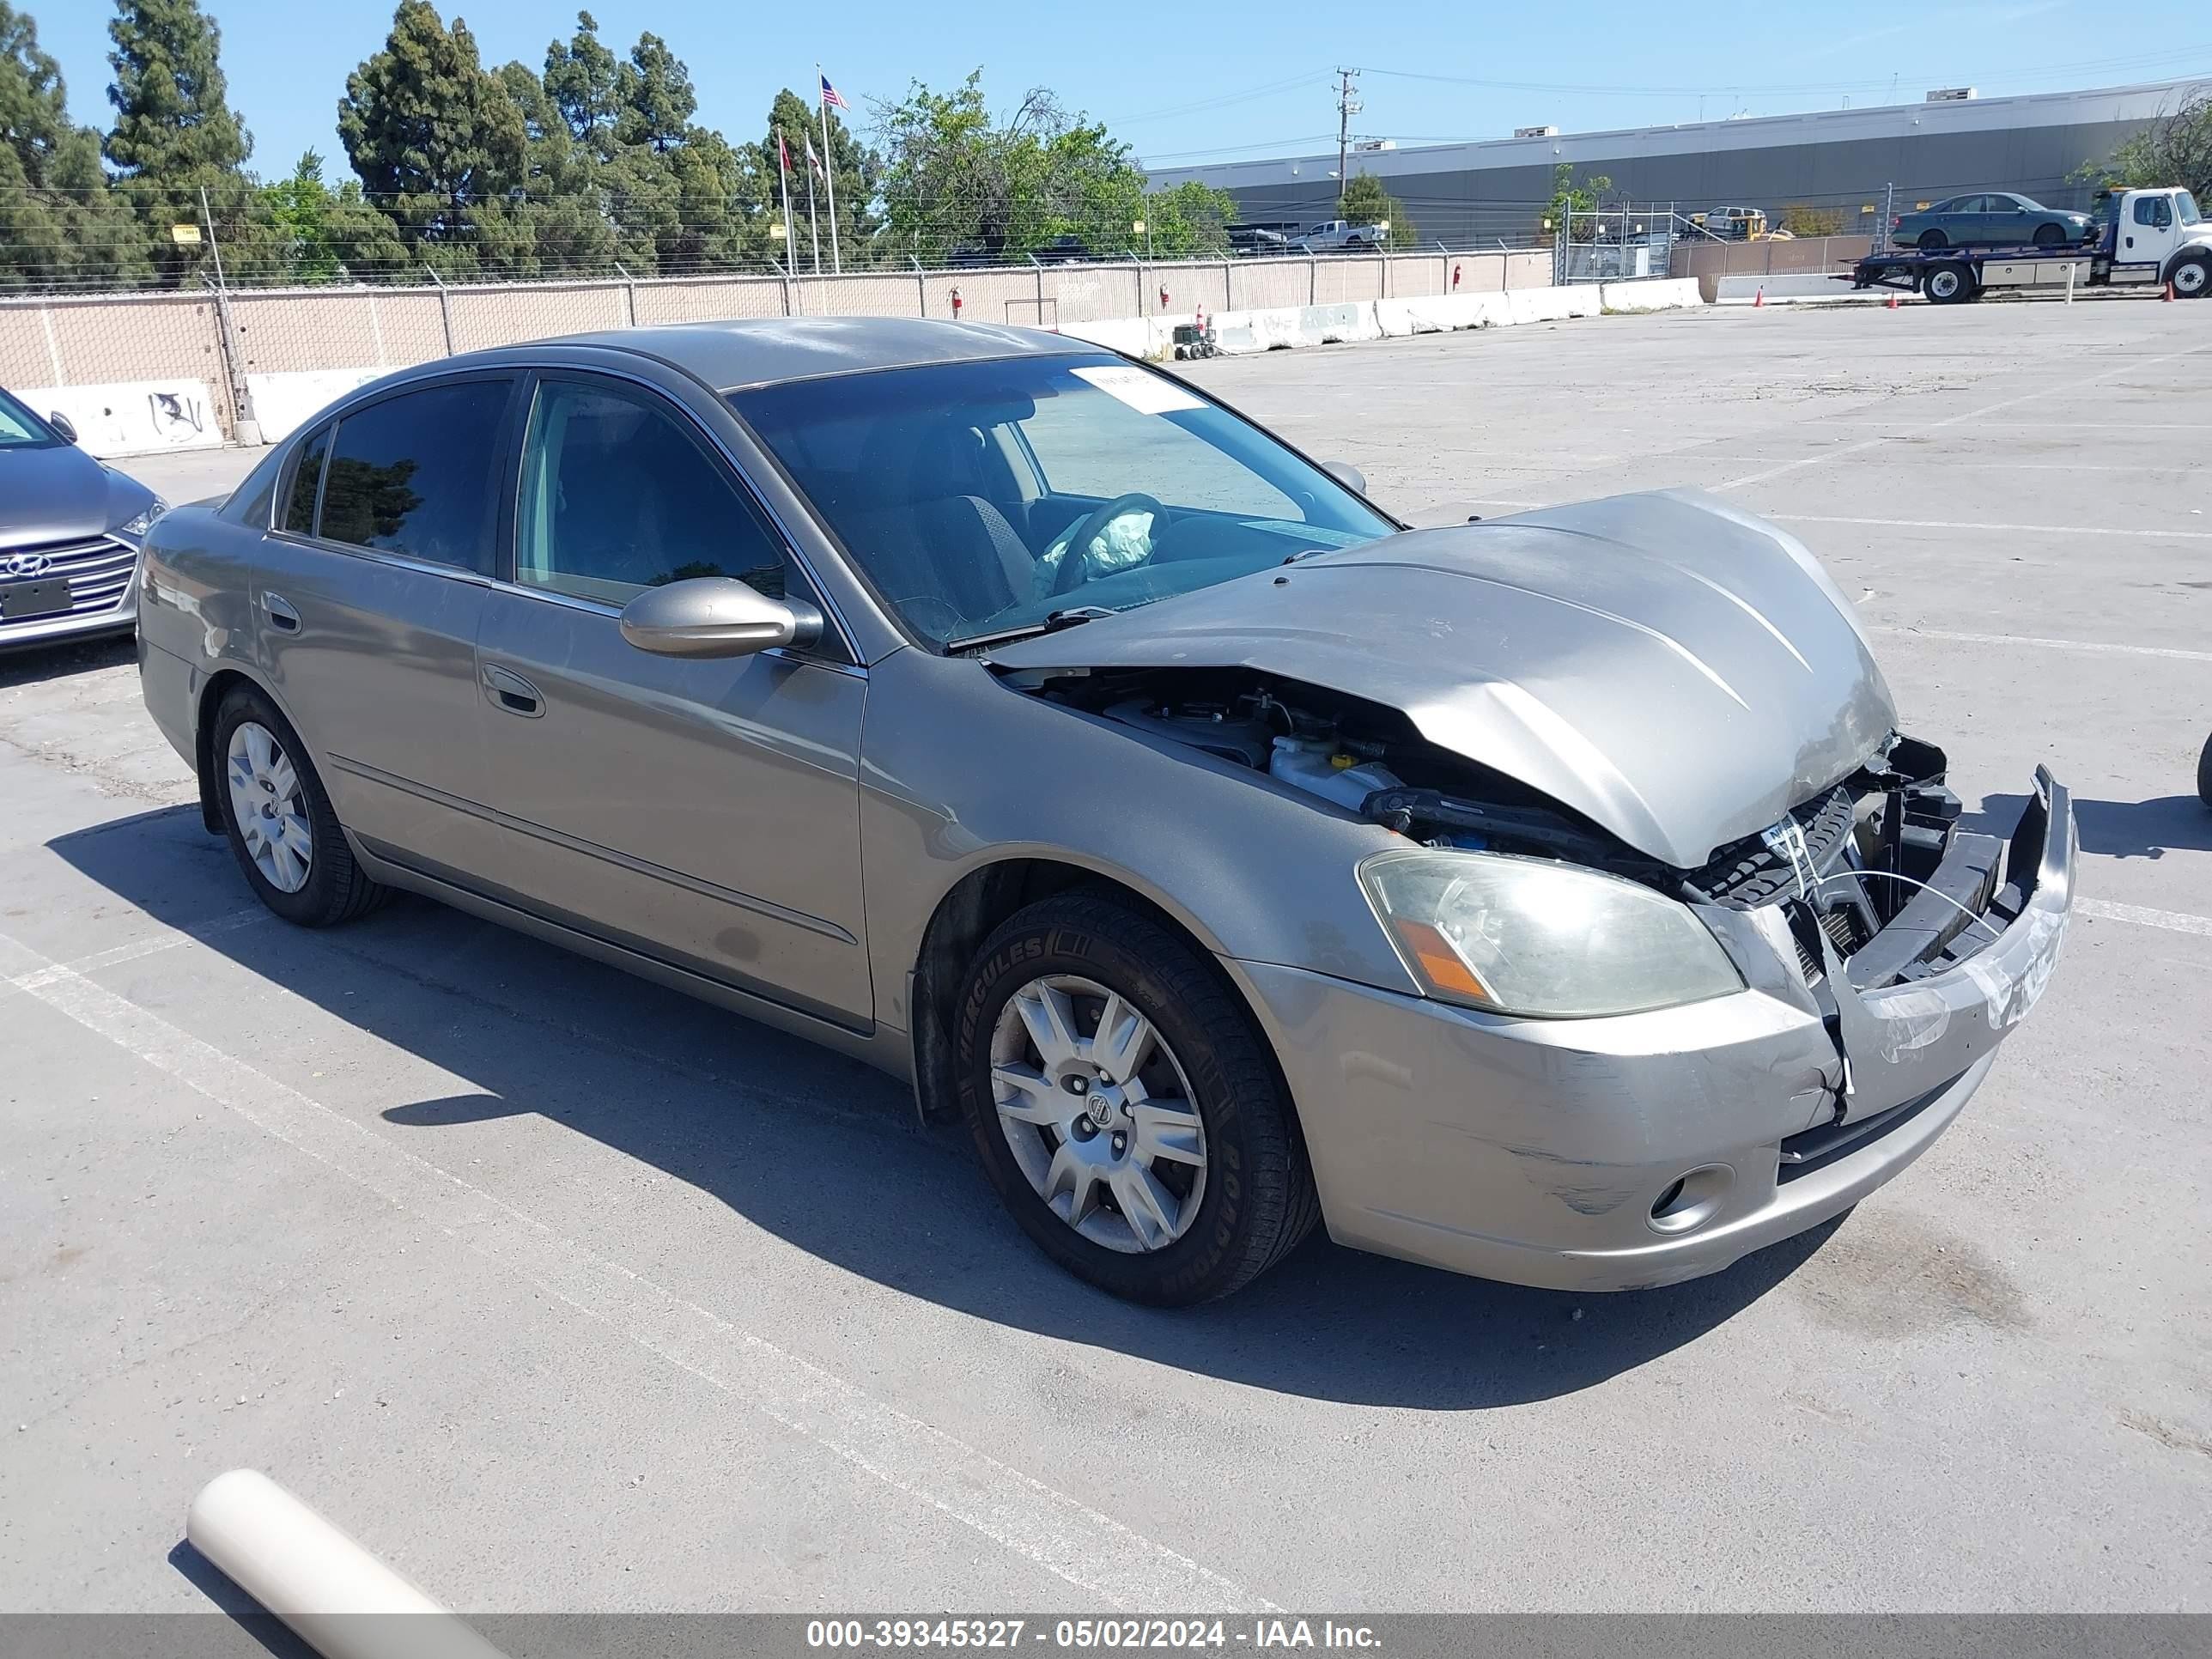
x,y
1341,236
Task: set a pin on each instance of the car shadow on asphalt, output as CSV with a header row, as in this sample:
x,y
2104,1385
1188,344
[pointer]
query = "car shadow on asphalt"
x,y
33,665
2119,829
827,1154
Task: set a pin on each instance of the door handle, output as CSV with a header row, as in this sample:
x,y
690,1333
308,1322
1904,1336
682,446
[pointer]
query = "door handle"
x,y
507,690
279,610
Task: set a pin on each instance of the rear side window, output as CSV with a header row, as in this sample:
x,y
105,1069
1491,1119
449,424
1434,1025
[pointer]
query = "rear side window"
x,y
307,477
414,474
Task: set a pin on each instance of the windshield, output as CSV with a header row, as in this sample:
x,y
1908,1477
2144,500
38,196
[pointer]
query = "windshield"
x,y
979,498
21,429
2184,209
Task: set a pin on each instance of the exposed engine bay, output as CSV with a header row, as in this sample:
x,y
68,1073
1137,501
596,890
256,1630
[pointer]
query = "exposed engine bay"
x,y
1874,862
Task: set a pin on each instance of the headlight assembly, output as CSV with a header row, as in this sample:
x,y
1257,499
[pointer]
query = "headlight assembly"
x,y
136,527
1530,936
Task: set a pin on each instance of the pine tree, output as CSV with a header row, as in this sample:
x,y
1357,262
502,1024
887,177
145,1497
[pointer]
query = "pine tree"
x,y
175,133
438,144
60,224
581,79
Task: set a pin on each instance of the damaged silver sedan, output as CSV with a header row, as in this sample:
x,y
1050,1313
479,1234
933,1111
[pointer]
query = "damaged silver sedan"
x,y
1553,899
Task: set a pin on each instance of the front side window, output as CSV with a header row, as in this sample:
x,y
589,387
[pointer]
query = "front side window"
x,y
619,495
979,498
307,479
2152,210
416,474
21,429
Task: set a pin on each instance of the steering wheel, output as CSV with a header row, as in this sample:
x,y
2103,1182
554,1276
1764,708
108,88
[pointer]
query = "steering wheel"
x,y
1075,563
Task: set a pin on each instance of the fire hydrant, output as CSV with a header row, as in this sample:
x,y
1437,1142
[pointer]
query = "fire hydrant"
x,y
955,305
1163,296
1454,274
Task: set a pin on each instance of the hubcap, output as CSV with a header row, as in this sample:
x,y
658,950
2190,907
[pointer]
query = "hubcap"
x,y
1097,1112
2188,279
266,802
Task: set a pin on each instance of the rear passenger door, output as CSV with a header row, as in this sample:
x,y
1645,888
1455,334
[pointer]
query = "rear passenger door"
x,y
703,812
367,604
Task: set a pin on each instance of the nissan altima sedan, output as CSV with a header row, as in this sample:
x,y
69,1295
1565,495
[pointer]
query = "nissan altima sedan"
x,y
70,529
1997,219
1553,899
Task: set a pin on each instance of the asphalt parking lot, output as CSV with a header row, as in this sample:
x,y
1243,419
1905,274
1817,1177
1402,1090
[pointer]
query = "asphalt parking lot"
x,y
560,1292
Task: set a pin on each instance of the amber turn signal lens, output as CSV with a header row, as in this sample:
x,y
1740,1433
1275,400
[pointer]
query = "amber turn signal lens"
x,y
1439,961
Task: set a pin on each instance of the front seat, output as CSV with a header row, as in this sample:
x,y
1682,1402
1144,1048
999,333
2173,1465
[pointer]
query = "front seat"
x,y
939,536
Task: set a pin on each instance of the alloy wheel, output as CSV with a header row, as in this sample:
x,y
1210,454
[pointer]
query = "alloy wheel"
x,y
1098,1114
270,811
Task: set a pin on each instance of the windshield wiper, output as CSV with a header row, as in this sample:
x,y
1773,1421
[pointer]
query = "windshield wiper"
x,y
1053,622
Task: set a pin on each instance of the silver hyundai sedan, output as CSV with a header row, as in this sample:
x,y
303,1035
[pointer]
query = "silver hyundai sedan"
x,y
1552,899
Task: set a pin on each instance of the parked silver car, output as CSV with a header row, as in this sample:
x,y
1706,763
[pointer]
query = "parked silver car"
x,y
70,529
1552,898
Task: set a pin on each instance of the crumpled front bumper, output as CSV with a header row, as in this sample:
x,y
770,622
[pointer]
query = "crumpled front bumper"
x,y
1640,1150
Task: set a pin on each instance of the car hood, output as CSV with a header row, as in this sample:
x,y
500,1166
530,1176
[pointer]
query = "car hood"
x,y
1678,671
60,494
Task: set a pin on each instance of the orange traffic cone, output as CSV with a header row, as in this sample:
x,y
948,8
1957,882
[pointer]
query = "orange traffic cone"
x,y
1759,298
2169,290
1893,302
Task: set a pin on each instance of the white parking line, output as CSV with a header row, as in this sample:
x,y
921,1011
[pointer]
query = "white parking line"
x,y
2041,393
2174,922
2013,529
166,938
1065,1537
2096,647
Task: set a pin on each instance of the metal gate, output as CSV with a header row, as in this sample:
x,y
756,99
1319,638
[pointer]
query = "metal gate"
x,y
1613,245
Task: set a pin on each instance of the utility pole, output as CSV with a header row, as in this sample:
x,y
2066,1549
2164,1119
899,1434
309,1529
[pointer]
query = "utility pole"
x,y
1346,107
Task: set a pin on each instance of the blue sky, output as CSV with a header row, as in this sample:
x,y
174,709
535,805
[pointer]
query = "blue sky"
x,y
1233,77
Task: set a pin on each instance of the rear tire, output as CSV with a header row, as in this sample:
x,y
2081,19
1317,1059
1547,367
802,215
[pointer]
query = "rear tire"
x,y
1257,1200
2050,236
332,888
2204,773
1949,284
2191,276
1932,239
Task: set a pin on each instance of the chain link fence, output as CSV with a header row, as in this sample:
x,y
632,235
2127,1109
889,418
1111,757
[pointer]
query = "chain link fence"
x,y
247,362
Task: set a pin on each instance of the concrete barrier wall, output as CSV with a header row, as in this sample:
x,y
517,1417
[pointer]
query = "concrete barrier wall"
x,y
1665,295
132,418
281,402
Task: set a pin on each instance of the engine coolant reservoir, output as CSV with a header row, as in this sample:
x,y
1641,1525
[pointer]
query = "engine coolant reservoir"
x,y
1315,765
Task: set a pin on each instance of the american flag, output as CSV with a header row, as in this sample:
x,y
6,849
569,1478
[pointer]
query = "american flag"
x,y
831,98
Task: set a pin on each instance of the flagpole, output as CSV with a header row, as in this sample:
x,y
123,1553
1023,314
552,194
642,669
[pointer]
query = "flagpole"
x,y
829,171
783,173
813,224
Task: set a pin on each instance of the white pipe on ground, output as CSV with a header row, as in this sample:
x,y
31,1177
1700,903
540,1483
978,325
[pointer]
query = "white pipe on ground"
x,y
338,1598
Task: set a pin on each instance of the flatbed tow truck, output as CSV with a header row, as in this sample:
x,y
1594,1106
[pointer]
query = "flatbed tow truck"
x,y
2145,239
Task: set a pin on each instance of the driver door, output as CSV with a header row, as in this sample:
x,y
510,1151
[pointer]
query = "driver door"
x,y
702,811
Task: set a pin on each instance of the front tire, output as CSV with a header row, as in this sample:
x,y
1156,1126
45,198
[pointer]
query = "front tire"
x,y
2204,773
2190,276
279,820
1126,1106
2050,236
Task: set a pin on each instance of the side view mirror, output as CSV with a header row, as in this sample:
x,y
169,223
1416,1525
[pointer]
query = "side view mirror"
x,y
1348,475
715,617
61,423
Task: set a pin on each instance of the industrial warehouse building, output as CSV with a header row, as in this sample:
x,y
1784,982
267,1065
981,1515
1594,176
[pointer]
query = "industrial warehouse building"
x,y
1832,168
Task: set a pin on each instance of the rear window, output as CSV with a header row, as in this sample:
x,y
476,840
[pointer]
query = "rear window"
x,y
414,474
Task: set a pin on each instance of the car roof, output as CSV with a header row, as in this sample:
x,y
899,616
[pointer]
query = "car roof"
x,y
755,352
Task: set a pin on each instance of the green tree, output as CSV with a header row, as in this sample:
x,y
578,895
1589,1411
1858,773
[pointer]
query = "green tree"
x,y
322,235
60,224
1366,203
581,79
1191,220
175,133
1569,196
564,204
2173,149
438,143
954,181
